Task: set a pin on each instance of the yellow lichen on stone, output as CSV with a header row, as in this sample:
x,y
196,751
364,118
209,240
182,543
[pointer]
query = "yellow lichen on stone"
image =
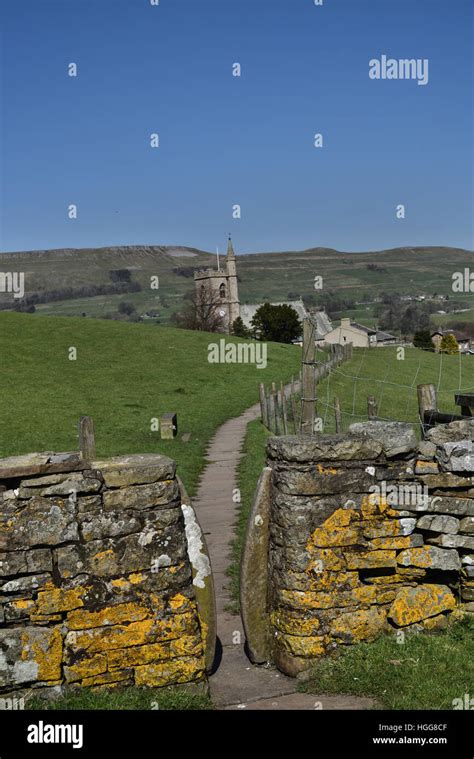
x,y
326,469
136,577
46,620
373,505
337,530
365,624
297,645
94,665
104,562
396,543
135,634
371,559
295,625
325,559
108,678
105,638
120,582
365,594
328,581
54,600
427,467
45,649
24,603
414,604
170,672
110,615
381,528
417,557
186,645
180,602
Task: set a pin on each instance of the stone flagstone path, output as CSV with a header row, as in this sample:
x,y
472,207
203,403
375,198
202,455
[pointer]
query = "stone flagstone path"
x,y
236,683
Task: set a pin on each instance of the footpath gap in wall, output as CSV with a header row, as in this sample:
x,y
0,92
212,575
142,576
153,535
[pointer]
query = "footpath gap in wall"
x,y
96,575
361,534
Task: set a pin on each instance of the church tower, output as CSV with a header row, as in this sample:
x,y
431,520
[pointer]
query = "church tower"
x,y
219,286
233,296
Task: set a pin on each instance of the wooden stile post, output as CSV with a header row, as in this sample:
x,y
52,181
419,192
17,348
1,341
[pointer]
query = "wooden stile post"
x,y
308,398
427,401
87,438
263,404
271,412
283,409
277,406
294,414
372,409
337,414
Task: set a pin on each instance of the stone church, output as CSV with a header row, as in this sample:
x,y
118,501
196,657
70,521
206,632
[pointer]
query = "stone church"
x,y
220,286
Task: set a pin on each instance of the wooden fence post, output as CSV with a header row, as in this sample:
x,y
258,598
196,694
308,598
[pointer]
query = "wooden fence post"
x,y
277,406
308,397
294,414
337,414
283,409
372,409
427,401
87,438
271,412
263,404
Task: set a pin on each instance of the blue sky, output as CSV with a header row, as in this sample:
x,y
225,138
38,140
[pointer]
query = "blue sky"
x,y
228,140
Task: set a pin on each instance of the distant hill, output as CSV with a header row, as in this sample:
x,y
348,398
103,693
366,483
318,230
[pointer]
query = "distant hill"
x,y
263,276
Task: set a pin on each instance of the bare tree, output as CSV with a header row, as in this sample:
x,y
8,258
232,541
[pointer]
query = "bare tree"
x,y
204,313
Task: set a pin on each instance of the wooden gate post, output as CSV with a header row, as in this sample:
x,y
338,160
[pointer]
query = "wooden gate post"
x,y
87,438
427,401
308,397
372,409
337,414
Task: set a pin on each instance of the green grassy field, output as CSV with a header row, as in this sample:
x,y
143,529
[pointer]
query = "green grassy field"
x,y
426,672
393,382
125,375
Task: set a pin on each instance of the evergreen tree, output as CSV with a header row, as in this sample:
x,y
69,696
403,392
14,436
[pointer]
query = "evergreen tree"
x,y
422,339
279,324
449,345
239,329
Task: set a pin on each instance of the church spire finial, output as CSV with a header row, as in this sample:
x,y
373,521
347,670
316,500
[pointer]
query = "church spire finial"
x,y
230,248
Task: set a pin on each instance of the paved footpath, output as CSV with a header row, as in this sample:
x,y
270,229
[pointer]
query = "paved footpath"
x,y
236,683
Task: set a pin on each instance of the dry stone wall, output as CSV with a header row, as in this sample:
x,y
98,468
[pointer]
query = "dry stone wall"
x,y
96,582
367,532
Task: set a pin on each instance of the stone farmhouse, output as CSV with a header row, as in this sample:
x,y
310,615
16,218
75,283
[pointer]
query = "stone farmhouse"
x,y
360,336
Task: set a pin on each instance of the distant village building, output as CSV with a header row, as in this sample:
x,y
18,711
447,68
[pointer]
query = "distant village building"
x,y
360,336
219,286
465,343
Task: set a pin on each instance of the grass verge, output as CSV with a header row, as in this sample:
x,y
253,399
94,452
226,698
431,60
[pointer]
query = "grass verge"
x,y
164,699
429,671
247,476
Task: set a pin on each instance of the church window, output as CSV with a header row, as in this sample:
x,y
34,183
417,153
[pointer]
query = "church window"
x,y
222,290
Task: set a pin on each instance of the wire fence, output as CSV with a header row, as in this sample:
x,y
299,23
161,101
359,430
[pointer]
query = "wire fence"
x,y
376,382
